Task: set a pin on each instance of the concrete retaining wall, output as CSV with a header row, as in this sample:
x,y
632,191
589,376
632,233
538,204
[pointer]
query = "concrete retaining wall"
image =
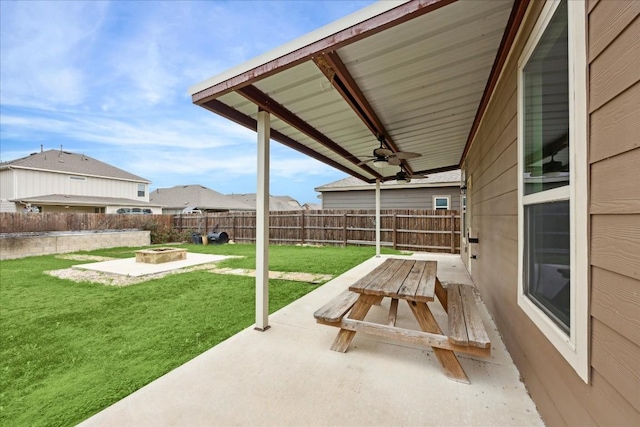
x,y
21,245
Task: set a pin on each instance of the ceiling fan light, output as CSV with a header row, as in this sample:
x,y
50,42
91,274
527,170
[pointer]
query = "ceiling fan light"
x,y
380,163
402,178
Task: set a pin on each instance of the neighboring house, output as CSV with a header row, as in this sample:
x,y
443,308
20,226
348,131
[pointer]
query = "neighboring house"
x,y
61,181
312,206
548,143
437,191
190,199
276,203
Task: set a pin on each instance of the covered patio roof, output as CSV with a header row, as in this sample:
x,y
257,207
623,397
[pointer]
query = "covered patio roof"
x,y
415,74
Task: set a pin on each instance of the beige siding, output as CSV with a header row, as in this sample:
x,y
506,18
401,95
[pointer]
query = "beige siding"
x,y
415,198
612,397
6,184
37,183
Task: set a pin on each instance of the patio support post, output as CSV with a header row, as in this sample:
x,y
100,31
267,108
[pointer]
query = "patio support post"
x,y
377,217
262,223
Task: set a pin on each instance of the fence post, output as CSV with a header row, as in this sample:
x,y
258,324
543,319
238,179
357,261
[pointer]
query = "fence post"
x,y
302,229
395,232
233,226
453,233
344,229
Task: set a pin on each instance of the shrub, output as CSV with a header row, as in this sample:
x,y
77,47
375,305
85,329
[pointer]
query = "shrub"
x,y
163,234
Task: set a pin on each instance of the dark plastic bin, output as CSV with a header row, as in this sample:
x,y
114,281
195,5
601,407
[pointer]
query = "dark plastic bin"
x,y
218,238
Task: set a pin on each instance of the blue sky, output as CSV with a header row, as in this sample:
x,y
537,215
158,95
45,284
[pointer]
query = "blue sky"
x,y
110,80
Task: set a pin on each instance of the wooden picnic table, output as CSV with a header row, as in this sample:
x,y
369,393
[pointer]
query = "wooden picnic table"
x,y
416,282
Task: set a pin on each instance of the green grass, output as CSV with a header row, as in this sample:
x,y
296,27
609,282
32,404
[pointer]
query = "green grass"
x,y
68,350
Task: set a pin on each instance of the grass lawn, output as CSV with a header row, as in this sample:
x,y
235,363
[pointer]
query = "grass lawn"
x,y
68,350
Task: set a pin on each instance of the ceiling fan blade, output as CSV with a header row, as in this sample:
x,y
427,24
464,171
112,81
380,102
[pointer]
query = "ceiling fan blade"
x,y
394,161
419,176
406,155
382,152
365,161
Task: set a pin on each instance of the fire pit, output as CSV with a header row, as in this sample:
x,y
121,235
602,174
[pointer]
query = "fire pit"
x,y
160,255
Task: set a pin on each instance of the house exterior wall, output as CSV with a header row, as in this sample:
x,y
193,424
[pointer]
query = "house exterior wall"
x,y
406,198
31,183
612,396
6,191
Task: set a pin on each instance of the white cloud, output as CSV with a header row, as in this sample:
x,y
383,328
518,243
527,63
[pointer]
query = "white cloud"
x,y
43,46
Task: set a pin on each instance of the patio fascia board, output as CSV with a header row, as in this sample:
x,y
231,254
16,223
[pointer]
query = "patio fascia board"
x,y
367,22
368,187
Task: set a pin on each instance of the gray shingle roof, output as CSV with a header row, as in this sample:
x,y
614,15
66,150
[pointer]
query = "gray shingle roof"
x,y
64,161
183,196
433,180
276,203
68,199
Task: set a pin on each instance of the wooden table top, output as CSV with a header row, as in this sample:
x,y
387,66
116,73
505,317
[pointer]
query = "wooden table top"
x,y
412,280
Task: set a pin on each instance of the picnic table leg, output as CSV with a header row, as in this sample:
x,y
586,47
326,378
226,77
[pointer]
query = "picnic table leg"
x,y
447,358
441,293
358,312
393,312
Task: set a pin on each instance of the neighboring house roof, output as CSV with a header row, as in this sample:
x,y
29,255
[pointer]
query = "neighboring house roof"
x,y
312,206
196,196
276,203
441,179
72,200
66,162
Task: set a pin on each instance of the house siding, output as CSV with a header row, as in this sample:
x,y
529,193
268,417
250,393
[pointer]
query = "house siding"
x,y
32,183
406,198
613,395
6,184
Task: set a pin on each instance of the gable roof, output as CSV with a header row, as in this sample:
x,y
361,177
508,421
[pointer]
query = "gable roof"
x,y
183,196
276,203
73,163
441,179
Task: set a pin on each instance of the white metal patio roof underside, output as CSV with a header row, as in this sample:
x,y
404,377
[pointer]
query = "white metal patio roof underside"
x,y
418,81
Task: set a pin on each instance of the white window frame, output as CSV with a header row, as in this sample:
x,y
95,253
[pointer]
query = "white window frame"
x,y
575,346
435,207
144,190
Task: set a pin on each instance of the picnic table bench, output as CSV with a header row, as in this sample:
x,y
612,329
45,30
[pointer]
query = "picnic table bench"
x,y
416,282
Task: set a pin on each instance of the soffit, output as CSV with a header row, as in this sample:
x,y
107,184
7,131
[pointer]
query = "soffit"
x,y
422,79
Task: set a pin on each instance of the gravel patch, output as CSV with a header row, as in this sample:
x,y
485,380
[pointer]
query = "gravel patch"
x,y
78,275
84,257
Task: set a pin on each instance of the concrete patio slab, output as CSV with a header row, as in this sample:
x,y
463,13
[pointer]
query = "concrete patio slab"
x,y
287,376
129,266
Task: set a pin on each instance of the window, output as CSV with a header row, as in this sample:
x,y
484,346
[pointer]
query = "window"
x,y
441,202
141,190
552,180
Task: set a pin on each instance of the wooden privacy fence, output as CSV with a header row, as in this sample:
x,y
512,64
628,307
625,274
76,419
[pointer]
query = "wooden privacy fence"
x,y
21,222
429,230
